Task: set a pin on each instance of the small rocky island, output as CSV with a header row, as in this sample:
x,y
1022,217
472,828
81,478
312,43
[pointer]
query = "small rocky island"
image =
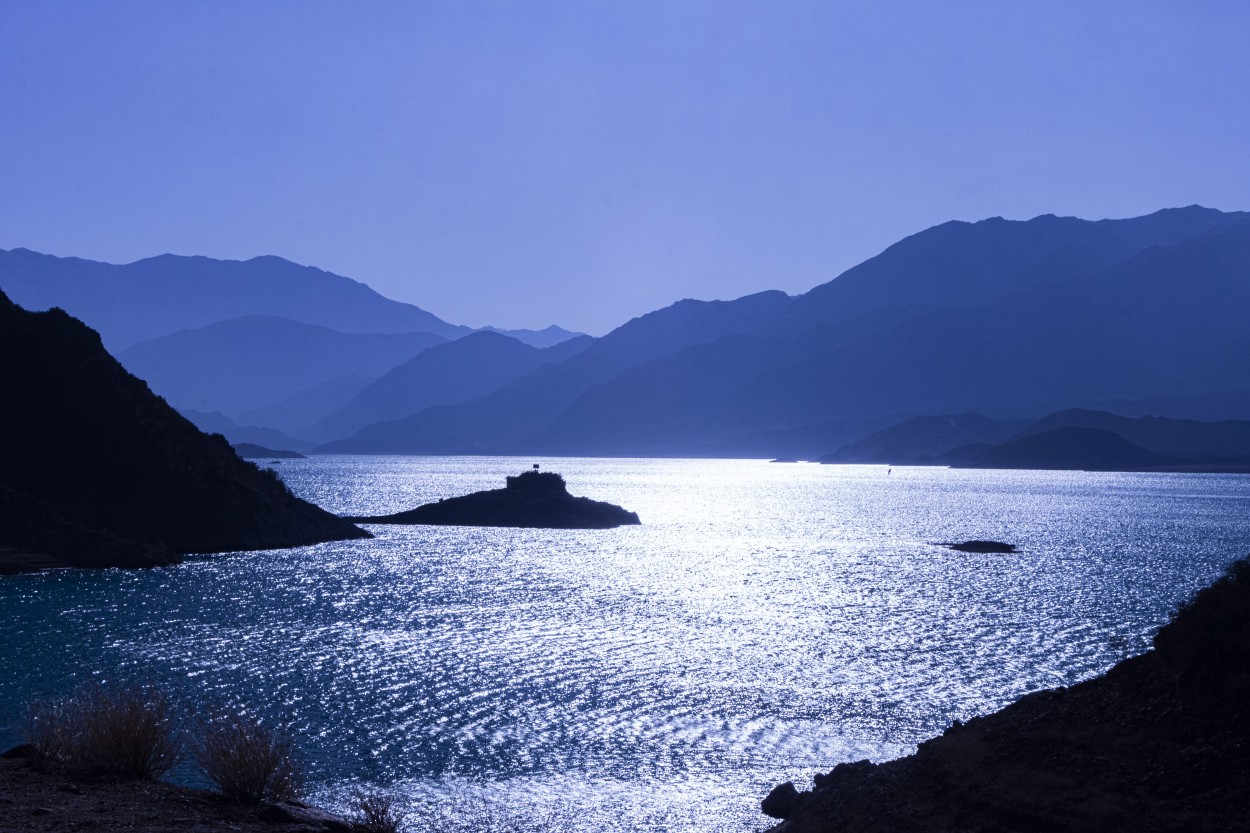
x,y
533,499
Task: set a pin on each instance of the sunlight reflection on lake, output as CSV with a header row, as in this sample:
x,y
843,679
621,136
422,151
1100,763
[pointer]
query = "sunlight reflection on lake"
x,y
764,623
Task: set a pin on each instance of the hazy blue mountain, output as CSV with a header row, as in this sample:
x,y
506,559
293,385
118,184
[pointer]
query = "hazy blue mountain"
x,y
959,264
157,296
501,420
1226,441
546,337
251,451
458,371
215,422
244,363
295,413
1082,449
924,439
1209,406
1167,321
1025,316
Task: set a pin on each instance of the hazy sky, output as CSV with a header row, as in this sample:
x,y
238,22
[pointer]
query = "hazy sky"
x,y
524,163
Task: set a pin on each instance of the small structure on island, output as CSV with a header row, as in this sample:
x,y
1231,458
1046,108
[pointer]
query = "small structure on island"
x,y
531,499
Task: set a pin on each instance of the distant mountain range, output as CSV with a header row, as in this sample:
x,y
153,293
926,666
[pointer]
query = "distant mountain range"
x,y
260,340
1071,439
157,296
996,316
245,363
1013,319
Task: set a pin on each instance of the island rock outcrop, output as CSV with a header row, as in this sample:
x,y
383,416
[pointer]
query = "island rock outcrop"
x,y
532,499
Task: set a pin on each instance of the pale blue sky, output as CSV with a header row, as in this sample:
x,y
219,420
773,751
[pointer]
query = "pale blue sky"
x,y
524,163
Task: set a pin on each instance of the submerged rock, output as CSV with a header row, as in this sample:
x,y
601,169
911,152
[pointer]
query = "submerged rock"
x,y
532,499
982,546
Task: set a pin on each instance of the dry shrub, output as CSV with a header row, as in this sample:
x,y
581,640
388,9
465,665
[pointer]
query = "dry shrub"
x,y
120,731
248,761
378,813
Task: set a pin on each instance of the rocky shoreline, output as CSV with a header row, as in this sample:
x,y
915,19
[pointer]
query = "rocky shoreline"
x,y
32,801
1161,742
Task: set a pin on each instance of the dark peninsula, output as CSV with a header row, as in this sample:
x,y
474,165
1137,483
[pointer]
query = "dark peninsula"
x,y
1161,742
532,499
97,471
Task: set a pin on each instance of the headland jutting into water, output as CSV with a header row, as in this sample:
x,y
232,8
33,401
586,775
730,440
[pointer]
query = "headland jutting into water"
x,y
532,499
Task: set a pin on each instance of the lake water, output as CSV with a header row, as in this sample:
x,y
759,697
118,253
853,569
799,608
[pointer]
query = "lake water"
x,y
766,621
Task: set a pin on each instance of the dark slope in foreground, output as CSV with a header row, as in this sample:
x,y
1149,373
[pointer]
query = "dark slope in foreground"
x,y
1161,742
532,499
83,440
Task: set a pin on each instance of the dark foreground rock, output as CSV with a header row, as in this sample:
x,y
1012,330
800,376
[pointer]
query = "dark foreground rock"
x,y
533,499
1161,742
32,801
98,471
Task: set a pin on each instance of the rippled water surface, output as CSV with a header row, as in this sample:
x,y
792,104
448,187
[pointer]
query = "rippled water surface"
x,y
767,621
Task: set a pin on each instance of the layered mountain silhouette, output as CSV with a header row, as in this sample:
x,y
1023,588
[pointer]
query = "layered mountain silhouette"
x,y
924,440
507,418
98,471
265,341
1026,317
157,296
458,371
1008,318
1073,439
243,364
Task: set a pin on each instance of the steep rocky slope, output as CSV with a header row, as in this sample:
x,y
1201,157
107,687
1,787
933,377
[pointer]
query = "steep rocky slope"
x,y
92,463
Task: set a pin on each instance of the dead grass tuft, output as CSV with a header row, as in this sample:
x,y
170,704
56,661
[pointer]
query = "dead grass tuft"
x,y
120,731
248,761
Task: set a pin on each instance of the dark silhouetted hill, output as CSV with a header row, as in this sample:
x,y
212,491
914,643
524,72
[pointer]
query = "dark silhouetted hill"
x,y
1069,439
1084,449
157,296
1161,742
1167,321
1002,316
1225,442
243,364
924,439
960,264
503,420
84,441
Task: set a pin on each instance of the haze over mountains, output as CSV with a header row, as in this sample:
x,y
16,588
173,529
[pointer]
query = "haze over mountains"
x,y
1008,318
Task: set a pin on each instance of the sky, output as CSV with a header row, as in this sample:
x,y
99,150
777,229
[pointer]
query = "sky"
x,y
525,163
